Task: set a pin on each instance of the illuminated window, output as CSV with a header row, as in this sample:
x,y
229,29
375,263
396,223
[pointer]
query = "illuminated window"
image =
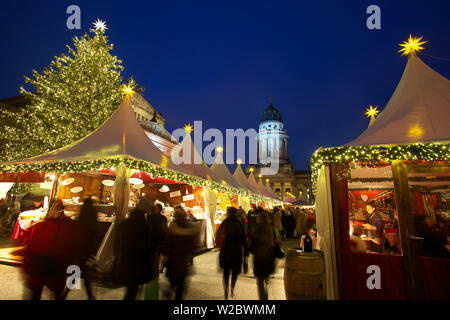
x,y
373,218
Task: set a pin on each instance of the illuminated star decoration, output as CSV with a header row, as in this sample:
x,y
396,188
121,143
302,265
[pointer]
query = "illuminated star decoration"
x,y
412,46
239,161
99,24
219,149
188,128
127,89
372,113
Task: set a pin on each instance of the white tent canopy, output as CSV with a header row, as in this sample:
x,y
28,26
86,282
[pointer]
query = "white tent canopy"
x,y
261,190
120,136
270,191
192,162
240,177
418,111
289,199
301,201
222,173
264,187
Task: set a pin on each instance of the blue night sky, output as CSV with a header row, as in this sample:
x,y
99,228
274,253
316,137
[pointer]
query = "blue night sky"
x,y
219,61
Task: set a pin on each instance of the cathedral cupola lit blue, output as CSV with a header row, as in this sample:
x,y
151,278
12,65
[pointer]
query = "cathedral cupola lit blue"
x,y
272,137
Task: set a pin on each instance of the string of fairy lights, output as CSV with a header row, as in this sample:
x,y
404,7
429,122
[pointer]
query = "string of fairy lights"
x,y
138,165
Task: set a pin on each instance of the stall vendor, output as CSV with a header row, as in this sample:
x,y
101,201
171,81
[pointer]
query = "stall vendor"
x,y
374,224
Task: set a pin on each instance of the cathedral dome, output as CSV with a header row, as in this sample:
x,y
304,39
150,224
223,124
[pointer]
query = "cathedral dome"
x,y
271,114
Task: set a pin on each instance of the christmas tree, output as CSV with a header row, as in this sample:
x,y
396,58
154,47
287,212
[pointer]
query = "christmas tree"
x,y
73,96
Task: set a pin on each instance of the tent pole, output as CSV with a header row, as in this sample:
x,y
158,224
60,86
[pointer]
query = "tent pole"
x,y
338,227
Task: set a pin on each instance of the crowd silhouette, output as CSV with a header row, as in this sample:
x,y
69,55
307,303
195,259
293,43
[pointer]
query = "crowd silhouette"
x,y
147,245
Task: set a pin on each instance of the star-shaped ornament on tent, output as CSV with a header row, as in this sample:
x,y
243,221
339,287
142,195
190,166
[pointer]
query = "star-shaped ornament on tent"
x,y
412,46
188,128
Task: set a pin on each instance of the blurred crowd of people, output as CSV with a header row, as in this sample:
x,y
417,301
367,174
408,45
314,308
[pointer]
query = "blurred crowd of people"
x,y
146,244
260,233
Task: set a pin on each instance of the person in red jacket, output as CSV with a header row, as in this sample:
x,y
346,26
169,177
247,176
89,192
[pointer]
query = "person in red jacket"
x,y
50,248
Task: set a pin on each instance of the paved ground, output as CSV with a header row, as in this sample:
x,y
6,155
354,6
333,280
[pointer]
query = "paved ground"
x,y
205,284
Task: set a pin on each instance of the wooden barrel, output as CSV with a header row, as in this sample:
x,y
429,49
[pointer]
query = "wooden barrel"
x,y
304,275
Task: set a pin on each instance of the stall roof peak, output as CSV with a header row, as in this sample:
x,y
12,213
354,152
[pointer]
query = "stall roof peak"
x,y
418,111
121,136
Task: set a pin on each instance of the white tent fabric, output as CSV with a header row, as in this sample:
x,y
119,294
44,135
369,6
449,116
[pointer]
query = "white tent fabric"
x,y
240,177
251,179
120,135
301,201
325,229
289,199
263,187
418,111
210,206
270,191
192,161
223,174
4,188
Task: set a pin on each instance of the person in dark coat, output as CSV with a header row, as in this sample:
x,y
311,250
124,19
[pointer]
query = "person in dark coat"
x,y
234,249
158,232
50,247
251,218
290,224
135,264
91,238
433,244
178,248
262,243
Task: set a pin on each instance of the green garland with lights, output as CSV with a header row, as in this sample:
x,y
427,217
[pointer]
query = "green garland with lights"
x,y
138,165
376,154
21,187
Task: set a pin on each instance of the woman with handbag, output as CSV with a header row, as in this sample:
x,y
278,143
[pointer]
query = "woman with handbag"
x,y
233,249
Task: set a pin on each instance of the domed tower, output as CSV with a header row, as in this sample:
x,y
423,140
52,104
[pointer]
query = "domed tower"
x,y
272,137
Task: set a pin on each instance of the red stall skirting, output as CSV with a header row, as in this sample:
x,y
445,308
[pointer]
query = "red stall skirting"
x,y
436,277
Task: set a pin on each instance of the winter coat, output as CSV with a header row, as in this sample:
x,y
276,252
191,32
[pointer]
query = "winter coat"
x,y
251,219
178,248
262,243
300,222
135,255
50,247
277,221
158,232
234,245
91,237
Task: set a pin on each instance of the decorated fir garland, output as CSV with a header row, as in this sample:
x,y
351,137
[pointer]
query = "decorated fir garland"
x,y
20,187
376,154
139,165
